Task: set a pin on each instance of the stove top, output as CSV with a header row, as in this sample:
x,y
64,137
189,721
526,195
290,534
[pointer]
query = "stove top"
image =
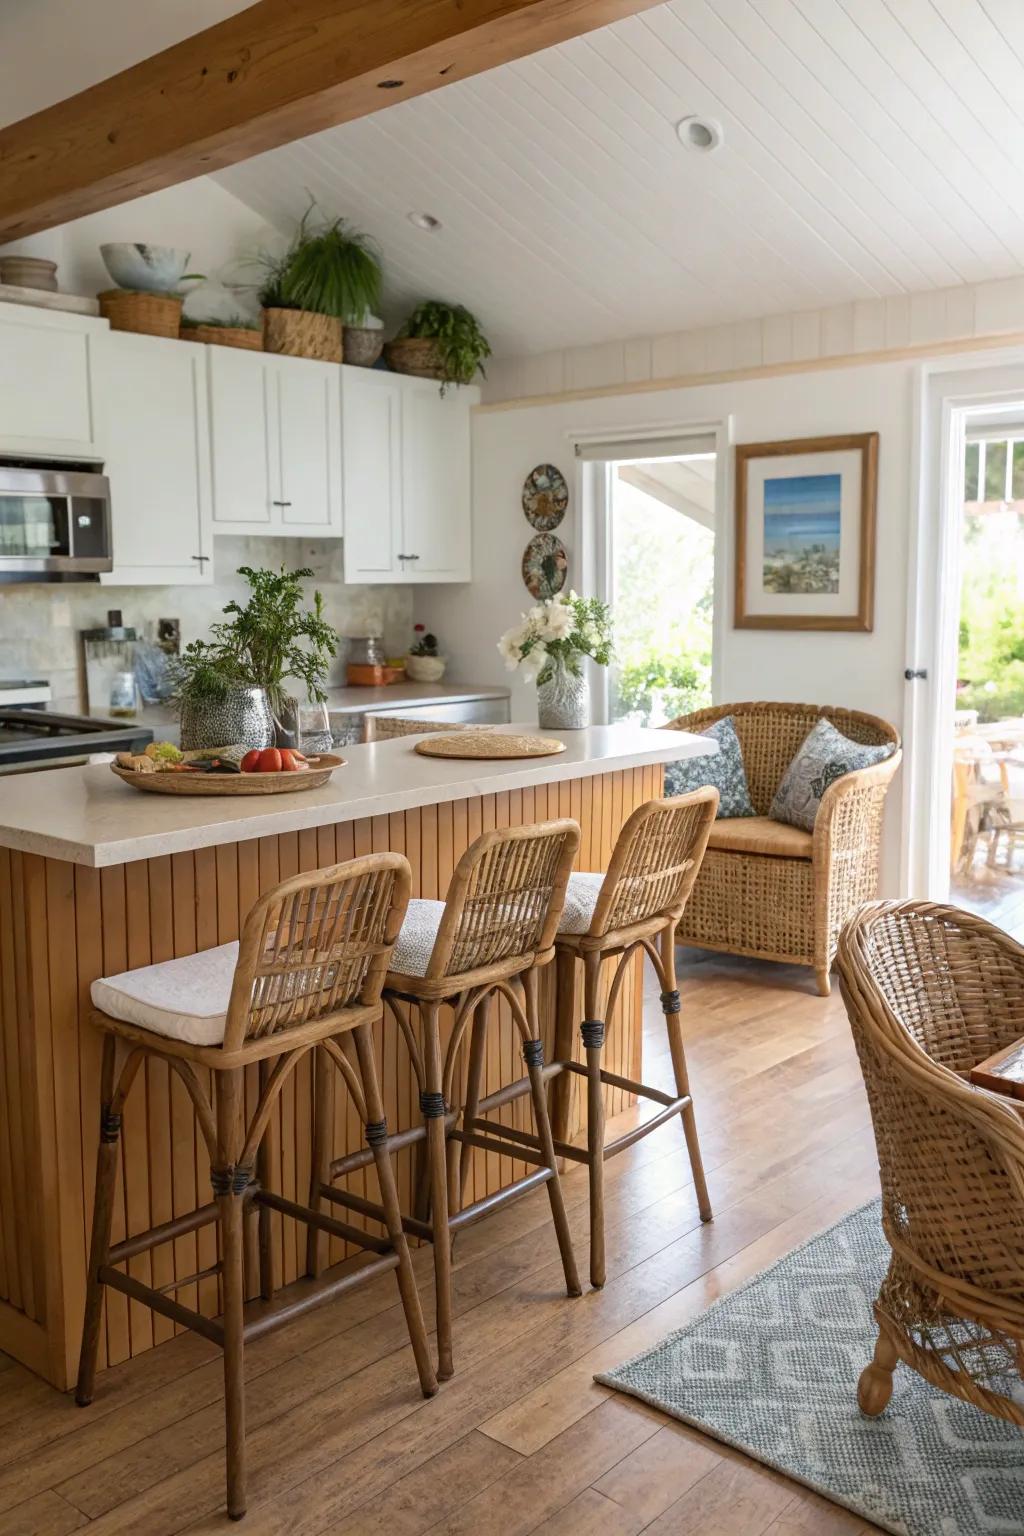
x,y
29,736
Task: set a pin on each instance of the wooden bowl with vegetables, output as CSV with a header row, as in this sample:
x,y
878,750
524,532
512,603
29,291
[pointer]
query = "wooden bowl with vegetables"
x,y
165,770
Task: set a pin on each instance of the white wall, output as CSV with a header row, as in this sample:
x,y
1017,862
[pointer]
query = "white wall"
x,y
863,671
199,216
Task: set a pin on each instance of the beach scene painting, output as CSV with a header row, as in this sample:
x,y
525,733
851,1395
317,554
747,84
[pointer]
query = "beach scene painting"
x,y
801,533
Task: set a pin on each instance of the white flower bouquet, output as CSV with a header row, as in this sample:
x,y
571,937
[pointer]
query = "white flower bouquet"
x,y
555,635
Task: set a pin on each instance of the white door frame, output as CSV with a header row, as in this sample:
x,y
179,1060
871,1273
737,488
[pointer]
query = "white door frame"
x,y
947,401
592,525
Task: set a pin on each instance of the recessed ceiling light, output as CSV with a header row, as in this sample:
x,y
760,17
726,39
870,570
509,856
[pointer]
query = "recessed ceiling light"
x,y
424,221
702,134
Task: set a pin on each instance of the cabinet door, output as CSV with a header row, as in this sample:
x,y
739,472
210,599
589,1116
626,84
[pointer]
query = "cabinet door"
x,y
46,402
244,444
151,412
435,483
371,455
309,433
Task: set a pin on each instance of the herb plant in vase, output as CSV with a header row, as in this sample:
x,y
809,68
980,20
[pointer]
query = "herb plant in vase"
x,y
424,663
548,647
265,647
216,704
440,341
329,276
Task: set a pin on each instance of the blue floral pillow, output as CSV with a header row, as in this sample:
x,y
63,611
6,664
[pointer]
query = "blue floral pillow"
x,y
724,770
826,755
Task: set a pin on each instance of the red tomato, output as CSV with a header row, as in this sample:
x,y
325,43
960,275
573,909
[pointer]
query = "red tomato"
x,y
288,763
270,761
251,761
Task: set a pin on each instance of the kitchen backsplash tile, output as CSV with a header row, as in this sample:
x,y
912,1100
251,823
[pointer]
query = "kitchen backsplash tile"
x,y
39,625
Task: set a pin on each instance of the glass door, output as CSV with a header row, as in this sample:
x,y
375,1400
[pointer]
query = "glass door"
x,y
660,559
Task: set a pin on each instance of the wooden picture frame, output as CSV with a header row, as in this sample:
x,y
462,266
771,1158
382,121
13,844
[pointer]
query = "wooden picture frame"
x,y
826,579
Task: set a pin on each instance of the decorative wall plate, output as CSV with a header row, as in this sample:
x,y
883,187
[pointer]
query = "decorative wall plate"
x,y
545,497
545,565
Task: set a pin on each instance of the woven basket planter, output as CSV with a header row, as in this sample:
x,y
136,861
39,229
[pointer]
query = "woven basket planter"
x,y
300,333
150,314
363,346
418,355
224,336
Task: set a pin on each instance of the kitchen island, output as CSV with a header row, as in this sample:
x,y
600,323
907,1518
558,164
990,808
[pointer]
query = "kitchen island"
x,y
97,878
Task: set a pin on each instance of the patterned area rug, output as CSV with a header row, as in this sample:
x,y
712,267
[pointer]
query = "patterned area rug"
x,y
772,1369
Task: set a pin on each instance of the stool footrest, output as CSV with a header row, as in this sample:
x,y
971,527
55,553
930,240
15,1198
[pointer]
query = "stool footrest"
x,y
370,1208
516,1090
323,1223
319,1292
158,1302
524,1151
528,1139
488,1203
178,1226
201,1274
627,1084
644,1129
353,1161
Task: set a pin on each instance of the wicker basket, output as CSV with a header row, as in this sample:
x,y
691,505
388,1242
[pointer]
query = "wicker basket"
x,y
418,355
363,346
225,336
300,333
150,314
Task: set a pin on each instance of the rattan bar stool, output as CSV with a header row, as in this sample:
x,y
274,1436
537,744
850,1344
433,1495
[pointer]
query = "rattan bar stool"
x,y
636,905
491,936
307,973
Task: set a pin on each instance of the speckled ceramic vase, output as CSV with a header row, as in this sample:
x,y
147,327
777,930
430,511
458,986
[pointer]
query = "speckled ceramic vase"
x,y
563,702
242,718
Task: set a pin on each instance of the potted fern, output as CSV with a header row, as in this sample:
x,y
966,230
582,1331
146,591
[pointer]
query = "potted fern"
x,y
330,275
440,341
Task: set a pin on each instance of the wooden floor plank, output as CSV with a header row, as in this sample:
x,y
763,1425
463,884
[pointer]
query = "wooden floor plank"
x,y
521,1441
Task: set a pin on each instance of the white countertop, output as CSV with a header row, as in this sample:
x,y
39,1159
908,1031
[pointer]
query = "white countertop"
x,y
88,816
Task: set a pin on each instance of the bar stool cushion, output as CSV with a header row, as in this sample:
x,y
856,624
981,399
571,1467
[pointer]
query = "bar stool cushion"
x,y
415,943
580,900
185,999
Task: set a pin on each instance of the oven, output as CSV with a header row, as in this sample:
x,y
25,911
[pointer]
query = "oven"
x,y
54,521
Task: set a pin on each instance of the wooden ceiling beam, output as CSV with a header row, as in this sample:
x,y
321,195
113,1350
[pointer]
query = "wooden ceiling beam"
x,y
275,72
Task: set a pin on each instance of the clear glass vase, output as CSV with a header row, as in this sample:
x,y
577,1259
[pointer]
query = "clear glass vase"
x,y
563,700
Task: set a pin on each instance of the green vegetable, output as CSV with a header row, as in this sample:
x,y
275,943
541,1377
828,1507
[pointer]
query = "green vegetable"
x,y
164,752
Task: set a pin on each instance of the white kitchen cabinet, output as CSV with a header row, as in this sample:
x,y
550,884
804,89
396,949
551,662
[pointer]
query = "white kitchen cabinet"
x,y
46,382
151,409
406,455
275,427
371,406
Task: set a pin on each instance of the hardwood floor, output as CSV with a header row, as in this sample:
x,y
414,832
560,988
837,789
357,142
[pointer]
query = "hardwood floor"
x,y
521,1440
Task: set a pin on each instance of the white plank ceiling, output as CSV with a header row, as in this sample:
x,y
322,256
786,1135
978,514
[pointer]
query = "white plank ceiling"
x,y
872,147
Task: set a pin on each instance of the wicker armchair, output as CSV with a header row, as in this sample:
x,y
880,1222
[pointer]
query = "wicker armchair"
x,y
930,992
776,892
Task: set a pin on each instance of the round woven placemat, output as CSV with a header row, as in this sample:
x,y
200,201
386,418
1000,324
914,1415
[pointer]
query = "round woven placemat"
x,y
486,744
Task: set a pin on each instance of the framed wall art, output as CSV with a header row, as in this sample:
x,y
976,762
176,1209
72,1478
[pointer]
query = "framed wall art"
x,y
805,533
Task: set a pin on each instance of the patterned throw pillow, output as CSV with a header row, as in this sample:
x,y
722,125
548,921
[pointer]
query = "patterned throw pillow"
x,y
724,770
826,755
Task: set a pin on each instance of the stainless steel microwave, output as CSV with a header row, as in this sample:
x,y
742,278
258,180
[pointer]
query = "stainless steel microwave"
x,y
54,521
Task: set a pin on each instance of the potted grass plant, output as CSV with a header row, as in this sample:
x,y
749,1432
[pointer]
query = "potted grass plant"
x,y
440,341
329,274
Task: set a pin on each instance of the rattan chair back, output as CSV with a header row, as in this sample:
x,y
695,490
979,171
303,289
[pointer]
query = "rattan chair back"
x,y
505,898
930,991
316,945
770,736
655,861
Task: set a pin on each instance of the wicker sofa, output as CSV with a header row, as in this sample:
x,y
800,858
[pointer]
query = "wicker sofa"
x,y
776,892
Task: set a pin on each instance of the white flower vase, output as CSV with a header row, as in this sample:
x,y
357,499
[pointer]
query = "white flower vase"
x,y
563,701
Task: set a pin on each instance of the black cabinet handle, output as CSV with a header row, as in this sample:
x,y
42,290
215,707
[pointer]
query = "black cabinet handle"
x,y
280,503
201,558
